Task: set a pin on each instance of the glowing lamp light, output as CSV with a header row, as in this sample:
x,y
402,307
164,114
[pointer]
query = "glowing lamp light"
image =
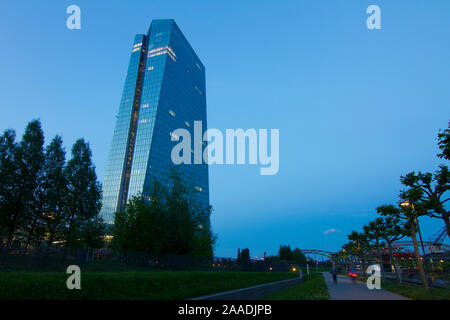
x,y
405,203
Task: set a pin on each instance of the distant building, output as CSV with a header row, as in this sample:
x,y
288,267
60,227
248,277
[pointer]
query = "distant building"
x,y
164,90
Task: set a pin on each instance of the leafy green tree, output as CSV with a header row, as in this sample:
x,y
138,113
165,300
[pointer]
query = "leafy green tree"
x,y
298,256
245,255
391,229
24,160
91,233
54,191
142,226
444,143
168,219
31,152
350,252
285,252
373,230
83,198
408,215
360,246
9,217
429,192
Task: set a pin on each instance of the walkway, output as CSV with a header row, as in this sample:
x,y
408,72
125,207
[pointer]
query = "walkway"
x,y
254,292
345,289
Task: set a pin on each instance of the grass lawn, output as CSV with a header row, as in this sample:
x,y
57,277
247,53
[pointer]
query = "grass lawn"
x,y
415,292
412,291
313,288
129,285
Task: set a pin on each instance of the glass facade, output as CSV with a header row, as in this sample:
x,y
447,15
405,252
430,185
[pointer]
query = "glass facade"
x,y
164,90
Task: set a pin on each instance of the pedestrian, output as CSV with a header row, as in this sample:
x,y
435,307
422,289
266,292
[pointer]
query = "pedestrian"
x,y
334,273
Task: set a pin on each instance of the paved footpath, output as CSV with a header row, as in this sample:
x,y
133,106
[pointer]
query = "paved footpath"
x,y
253,293
345,289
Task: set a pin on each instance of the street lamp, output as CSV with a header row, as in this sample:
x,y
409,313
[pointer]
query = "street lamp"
x,y
406,203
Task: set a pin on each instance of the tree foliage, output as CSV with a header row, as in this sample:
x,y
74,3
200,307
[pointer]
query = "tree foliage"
x,y
167,219
286,253
43,199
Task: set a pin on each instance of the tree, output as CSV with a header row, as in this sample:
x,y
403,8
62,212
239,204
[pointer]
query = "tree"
x,y
31,157
285,252
360,245
391,229
373,230
350,251
21,165
8,186
408,214
428,192
444,143
298,256
91,233
168,219
54,191
83,198
245,255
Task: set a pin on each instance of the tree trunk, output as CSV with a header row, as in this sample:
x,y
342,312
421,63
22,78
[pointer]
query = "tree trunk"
x,y
8,244
417,255
380,258
11,229
49,242
30,233
393,263
446,218
67,238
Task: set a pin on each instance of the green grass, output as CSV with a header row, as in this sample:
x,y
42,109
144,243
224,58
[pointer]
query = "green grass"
x,y
313,288
412,291
129,285
415,292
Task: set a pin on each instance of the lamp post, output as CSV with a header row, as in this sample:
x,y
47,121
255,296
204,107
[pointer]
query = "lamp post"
x,y
413,221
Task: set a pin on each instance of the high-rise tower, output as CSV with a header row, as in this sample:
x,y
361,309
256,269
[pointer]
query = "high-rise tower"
x,y
164,90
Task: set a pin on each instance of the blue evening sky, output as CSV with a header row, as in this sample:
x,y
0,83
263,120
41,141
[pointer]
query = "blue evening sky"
x,y
355,108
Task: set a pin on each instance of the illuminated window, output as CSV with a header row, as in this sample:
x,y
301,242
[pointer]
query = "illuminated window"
x,y
187,123
198,188
144,106
150,68
174,135
163,50
172,113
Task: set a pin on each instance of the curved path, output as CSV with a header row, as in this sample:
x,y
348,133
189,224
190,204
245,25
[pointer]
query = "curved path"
x,y
345,289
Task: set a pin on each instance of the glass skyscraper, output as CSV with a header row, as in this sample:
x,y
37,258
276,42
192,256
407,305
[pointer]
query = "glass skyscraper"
x,y
164,90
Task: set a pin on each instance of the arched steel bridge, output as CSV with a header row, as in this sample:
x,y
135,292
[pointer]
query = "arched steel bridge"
x,y
318,252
